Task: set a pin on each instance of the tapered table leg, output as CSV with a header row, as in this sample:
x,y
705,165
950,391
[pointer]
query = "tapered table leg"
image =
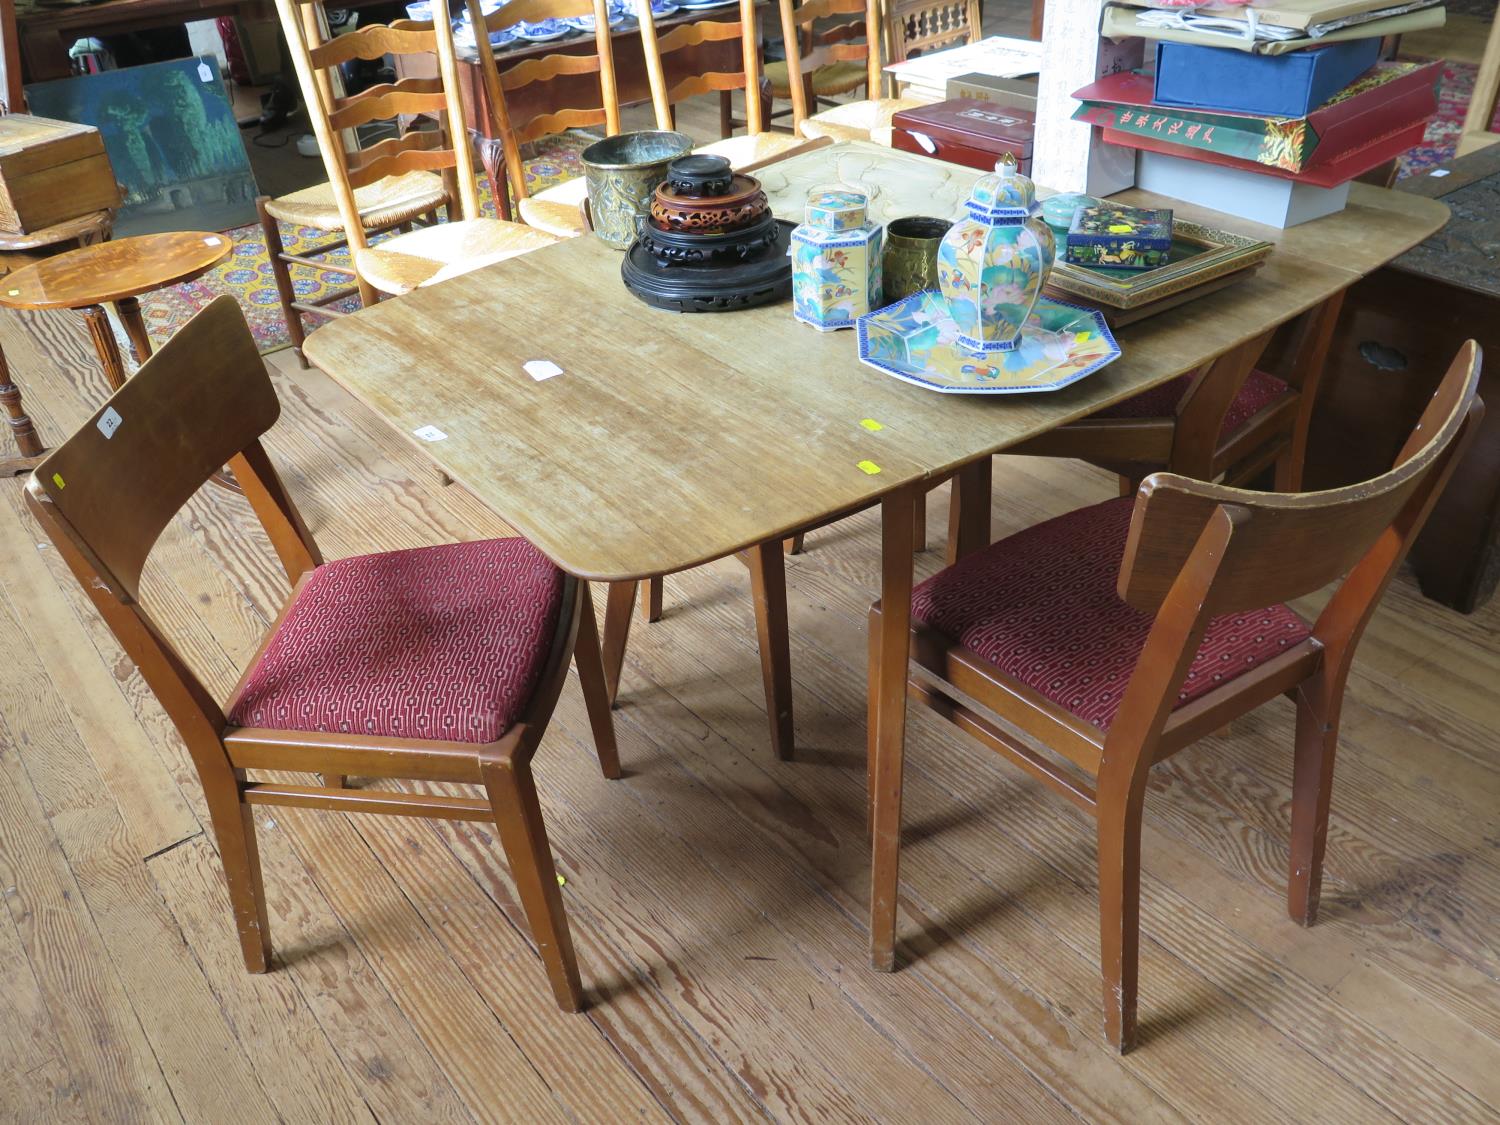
x,y
135,328
103,335
889,654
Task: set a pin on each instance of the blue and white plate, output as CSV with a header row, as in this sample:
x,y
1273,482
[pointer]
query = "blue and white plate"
x,y
543,31
617,17
703,5
916,341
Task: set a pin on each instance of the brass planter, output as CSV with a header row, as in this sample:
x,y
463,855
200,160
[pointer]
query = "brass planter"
x,y
622,173
910,262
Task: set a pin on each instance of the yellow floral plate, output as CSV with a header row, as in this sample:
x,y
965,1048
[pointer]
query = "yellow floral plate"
x,y
915,340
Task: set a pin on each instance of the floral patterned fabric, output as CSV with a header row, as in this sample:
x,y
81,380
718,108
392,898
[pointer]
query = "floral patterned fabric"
x,y
436,643
1041,607
1260,391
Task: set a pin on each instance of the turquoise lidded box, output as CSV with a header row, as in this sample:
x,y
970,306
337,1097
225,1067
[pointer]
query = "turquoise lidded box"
x,y
836,260
992,264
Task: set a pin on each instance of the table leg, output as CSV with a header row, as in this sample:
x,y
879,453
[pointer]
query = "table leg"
x,y
768,587
28,444
617,611
135,327
103,335
969,510
726,113
889,655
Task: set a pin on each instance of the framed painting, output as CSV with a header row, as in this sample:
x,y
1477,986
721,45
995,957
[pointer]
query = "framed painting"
x,y
171,135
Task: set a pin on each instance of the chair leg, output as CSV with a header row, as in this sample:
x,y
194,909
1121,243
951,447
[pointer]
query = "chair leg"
x,y
617,609
233,823
768,586
271,232
1120,914
651,595
1312,788
590,661
523,836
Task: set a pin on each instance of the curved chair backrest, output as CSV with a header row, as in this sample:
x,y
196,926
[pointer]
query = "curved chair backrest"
x,y
1286,545
202,401
747,78
335,117
807,48
515,132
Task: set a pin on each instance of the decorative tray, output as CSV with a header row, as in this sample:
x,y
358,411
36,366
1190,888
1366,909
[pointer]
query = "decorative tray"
x,y
916,341
1199,255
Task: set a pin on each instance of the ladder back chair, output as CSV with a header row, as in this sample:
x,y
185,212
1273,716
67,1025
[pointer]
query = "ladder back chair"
x,y
400,262
1230,421
836,58
394,203
757,144
439,664
557,210
916,27
1087,648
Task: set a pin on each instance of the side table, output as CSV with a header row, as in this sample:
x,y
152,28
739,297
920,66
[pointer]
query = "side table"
x,y
17,250
115,273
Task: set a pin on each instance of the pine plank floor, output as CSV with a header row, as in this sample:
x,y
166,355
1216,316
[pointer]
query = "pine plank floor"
x,y
717,896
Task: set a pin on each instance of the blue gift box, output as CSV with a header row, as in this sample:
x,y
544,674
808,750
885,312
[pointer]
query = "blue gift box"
x,y
1290,85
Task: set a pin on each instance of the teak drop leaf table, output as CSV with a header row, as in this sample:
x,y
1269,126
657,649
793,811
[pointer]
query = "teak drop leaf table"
x,y
670,441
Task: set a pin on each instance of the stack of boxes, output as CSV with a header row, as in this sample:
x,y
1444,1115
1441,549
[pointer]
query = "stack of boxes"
x,y
1246,126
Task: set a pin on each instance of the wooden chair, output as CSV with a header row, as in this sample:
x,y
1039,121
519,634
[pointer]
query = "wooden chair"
x,y
351,676
757,144
829,61
1229,421
917,27
559,209
401,262
1089,647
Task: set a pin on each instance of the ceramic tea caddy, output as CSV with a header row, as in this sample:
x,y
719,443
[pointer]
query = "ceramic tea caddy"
x,y
708,242
993,263
836,268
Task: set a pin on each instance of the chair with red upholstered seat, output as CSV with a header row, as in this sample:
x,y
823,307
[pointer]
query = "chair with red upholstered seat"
x,y
433,664
1094,645
1229,421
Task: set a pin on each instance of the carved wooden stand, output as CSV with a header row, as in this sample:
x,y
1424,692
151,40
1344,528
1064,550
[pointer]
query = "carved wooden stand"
x,y
28,446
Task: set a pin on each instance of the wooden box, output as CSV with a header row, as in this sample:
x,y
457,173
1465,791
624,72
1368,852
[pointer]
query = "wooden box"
x,y
966,131
51,171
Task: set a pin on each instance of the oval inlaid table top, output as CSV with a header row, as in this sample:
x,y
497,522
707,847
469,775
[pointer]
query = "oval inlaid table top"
x,y
112,271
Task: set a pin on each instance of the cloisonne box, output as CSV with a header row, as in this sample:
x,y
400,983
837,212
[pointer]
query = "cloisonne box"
x,y
1122,238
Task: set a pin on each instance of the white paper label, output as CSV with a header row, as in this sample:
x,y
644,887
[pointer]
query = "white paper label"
x,y
1438,173
205,72
109,421
925,143
212,241
540,369
430,433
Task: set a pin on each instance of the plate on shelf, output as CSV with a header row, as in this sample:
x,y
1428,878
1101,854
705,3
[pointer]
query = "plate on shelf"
x,y
916,341
1199,255
543,31
702,5
617,17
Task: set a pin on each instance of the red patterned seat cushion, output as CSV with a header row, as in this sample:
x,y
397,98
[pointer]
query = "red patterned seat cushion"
x,y
1041,606
1260,390
437,643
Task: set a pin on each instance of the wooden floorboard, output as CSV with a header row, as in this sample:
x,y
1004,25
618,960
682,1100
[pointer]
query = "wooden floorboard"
x,y
717,896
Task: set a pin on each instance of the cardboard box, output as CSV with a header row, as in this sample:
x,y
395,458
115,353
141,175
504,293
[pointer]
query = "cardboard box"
x,y
1251,196
51,171
966,131
1276,85
1017,93
1389,97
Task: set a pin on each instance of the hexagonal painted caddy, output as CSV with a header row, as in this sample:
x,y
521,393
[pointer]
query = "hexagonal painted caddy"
x,y
835,261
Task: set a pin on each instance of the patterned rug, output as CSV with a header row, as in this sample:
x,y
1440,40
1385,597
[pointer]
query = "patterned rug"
x,y
246,275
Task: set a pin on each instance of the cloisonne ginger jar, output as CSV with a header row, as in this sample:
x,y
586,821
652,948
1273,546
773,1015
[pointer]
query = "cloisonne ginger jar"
x,y
992,265
836,260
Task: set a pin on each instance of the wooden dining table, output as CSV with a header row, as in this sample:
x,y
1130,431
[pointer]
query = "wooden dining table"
x,y
672,440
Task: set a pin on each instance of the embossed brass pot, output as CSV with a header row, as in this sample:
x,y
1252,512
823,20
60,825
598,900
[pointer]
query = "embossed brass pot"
x,y
910,262
622,173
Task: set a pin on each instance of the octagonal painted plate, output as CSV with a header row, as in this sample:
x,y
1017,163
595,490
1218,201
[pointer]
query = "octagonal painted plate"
x,y
915,340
